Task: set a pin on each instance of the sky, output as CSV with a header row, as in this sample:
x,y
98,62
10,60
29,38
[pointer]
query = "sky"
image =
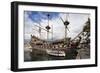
x,y
32,19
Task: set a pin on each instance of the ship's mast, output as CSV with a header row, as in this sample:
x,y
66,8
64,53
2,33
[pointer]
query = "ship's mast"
x,y
66,23
40,30
48,27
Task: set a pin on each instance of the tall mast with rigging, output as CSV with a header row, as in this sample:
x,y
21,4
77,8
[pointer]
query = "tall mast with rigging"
x,y
66,23
48,27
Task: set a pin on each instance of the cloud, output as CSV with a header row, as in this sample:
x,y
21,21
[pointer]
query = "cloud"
x,y
32,20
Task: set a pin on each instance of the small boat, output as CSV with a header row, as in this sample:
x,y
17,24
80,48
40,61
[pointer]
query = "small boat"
x,y
56,53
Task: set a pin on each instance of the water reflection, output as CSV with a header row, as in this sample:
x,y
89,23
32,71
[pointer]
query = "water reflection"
x,y
27,56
